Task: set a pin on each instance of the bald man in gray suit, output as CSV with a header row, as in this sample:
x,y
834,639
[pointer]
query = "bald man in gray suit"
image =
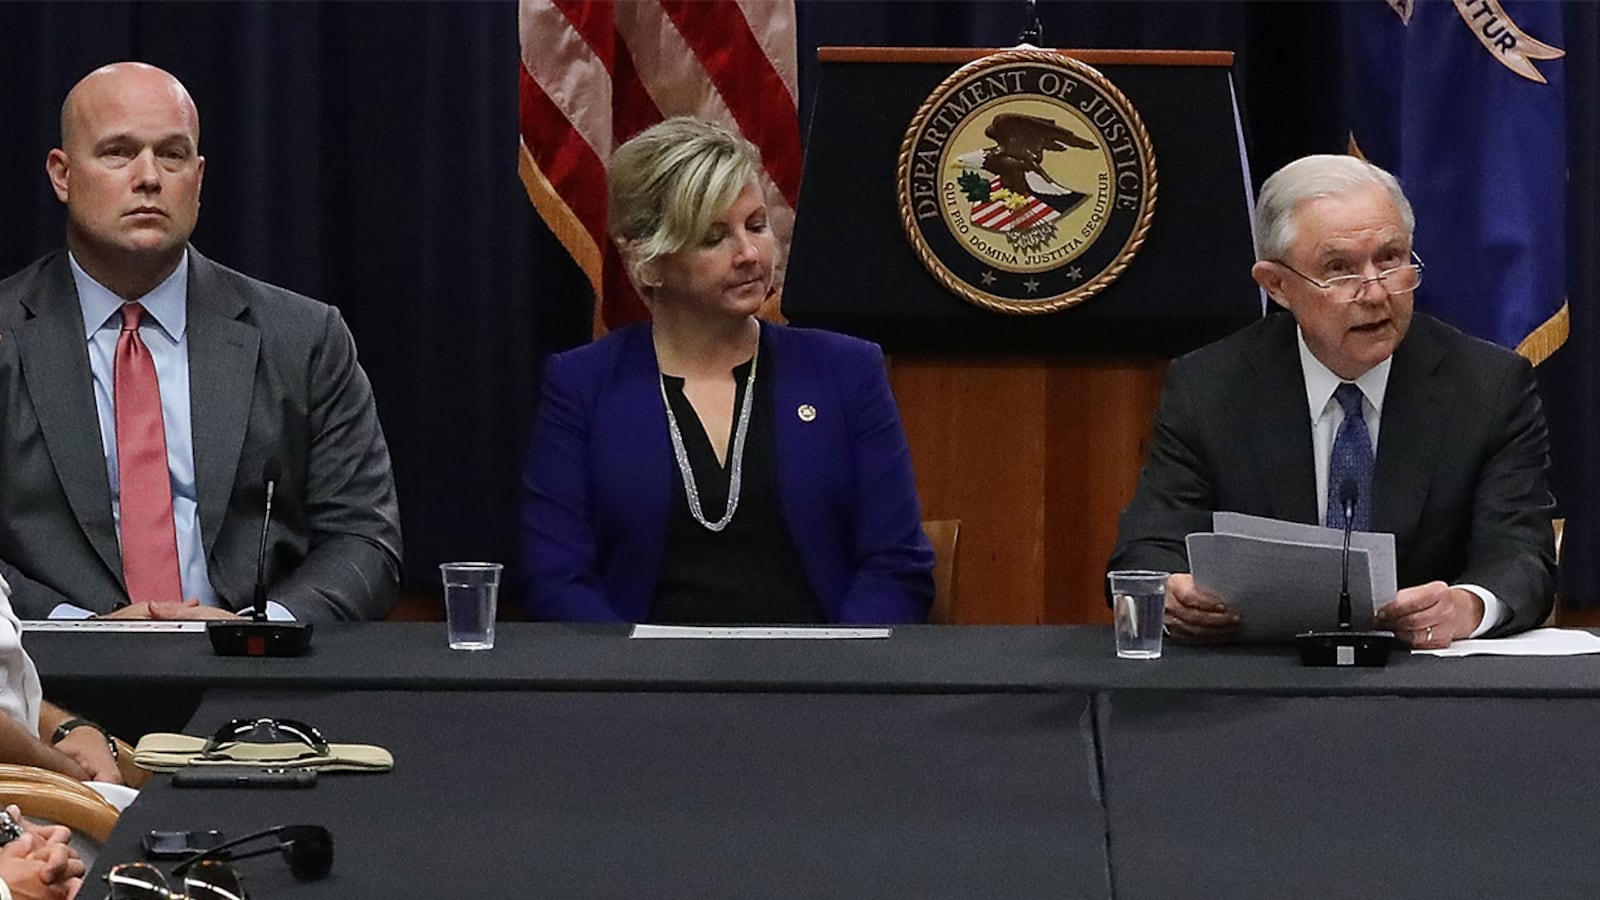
x,y
256,383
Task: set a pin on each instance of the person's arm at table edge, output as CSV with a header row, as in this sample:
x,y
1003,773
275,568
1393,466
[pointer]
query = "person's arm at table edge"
x,y
1512,553
560,557
19,747
1173,496
352,570
893,581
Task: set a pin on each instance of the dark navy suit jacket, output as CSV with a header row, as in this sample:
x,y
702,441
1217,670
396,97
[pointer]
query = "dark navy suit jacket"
x,y
598,486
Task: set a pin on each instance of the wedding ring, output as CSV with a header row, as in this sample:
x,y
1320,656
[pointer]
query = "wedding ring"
x,y
1430,634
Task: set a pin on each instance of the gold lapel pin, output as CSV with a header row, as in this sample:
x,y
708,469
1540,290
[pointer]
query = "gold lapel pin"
x,y
806,412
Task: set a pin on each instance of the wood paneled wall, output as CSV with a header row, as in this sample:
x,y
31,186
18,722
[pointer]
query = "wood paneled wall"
x,y
1036,457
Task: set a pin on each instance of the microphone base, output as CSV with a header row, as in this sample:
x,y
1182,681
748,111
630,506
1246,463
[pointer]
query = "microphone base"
x,y
1369,649
259,638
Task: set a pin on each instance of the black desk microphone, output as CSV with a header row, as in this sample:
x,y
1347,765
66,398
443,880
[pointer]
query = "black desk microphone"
x,y
257,636
1348,495
1346,647
273,470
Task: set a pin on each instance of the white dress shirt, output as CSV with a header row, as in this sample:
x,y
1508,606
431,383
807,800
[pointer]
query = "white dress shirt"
x,y
20,694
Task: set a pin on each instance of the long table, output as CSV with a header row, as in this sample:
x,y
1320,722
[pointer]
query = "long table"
x,y
944,761
916,659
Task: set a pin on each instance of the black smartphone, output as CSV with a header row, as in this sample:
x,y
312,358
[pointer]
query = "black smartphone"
x,y
243,777
179,844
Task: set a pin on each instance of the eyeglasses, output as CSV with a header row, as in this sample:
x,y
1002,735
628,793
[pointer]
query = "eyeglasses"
x,y
208,880
307,848
266,731
1350,288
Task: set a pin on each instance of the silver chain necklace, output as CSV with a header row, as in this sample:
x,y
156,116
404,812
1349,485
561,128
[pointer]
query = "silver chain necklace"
x,y
741,429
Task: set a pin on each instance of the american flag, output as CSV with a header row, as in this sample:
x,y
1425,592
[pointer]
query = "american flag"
x,y
596,72
997,216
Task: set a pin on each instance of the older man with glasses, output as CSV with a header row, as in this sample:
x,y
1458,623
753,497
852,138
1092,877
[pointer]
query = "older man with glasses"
x,y
1266,420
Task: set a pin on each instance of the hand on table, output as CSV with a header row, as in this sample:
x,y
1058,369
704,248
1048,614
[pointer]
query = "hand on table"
x,y
188,609
131,611
1433,615
88,748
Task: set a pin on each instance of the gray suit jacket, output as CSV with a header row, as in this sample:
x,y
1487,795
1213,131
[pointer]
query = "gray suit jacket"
x,y
1462,467
272,374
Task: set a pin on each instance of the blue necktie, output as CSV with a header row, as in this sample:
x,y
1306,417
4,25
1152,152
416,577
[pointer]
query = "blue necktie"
x,y
1351,459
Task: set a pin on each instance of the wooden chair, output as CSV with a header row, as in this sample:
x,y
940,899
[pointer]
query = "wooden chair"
x,y
54,797
50,796
943,534
132,775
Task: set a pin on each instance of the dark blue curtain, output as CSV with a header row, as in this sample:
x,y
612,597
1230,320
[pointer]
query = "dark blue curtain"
x,y
365,154
1570,380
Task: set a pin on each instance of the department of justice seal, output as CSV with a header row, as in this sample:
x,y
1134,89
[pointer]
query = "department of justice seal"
x,y
1027,182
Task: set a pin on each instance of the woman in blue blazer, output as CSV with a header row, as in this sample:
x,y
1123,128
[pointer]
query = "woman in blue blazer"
x,y
706,466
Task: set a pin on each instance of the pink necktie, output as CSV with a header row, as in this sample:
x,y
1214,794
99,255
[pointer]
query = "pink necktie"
x,y
149,538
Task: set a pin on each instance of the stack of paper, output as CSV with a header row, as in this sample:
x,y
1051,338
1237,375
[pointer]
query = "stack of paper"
x,y
1283,578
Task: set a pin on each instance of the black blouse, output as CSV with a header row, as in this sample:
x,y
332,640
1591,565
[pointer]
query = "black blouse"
x,y
750,572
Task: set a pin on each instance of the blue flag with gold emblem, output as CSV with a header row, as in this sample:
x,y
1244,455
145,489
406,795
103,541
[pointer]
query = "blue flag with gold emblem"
x,y
1464,101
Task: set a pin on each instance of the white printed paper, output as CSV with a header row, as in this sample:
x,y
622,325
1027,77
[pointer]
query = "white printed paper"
x,y
116,625
1538,642
1283,578
744,632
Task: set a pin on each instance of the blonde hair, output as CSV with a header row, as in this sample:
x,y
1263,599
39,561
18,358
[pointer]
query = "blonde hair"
x,y
1320,175
670,182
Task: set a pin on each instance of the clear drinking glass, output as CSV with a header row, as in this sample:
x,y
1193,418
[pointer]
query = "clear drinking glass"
x,y
471,592
1138,599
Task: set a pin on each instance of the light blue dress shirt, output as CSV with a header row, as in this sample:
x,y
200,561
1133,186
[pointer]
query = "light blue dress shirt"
x,y
165,332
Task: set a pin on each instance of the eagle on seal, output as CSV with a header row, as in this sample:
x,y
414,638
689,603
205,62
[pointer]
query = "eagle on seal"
x,y
1020,143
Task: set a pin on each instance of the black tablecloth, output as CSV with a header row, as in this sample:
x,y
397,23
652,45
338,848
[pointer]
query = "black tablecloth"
x,y
921,659
1232,796
944,761
675,795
